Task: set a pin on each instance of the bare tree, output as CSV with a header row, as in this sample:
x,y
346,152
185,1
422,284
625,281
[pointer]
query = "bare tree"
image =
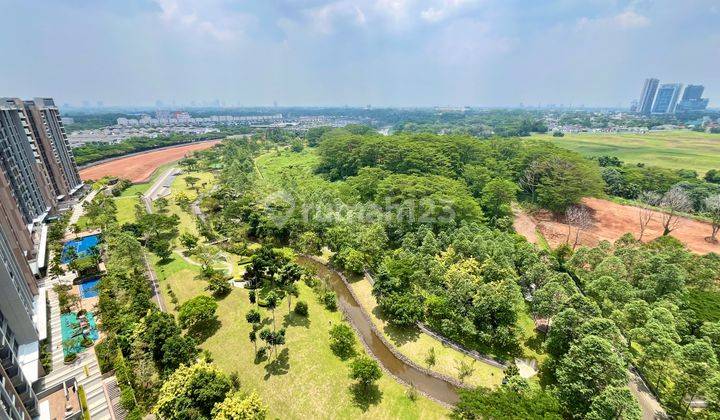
x,y
580,218
712,207
674,202
530,179
645,211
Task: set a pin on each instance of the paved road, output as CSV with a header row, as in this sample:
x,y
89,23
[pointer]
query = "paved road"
x,y
162,184
651,409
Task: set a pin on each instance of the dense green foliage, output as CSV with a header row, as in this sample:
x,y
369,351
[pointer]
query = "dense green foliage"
x,y
463,272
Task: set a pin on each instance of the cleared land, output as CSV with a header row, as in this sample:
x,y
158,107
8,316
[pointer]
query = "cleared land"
x,y
610,222
680,149
138,168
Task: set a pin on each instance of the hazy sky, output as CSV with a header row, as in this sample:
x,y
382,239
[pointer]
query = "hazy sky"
x,y
338,52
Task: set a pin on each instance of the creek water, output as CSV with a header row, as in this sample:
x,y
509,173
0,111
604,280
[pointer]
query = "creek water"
x,y
432,386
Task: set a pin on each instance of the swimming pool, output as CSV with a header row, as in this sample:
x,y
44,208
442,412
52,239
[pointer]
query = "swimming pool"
x,y
88,289
82,247
66,326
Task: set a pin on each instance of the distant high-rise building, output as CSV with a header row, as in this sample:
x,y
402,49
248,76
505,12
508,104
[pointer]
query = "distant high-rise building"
x,y
692,99
666,98
647,96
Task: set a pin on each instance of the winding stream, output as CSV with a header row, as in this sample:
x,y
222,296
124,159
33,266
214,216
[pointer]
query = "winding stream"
x,y
430,385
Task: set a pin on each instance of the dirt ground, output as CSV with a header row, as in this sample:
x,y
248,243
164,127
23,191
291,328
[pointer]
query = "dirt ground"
x,y
138,168
611,221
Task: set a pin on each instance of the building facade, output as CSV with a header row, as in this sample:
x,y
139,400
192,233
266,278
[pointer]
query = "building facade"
x,y
667,98
647,96
19,338
37,172
692,99
50,134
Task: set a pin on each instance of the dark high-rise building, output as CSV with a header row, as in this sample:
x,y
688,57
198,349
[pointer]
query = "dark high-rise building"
x,y
54,147
647,96
19,302
37,170
22,166
692,99
666,98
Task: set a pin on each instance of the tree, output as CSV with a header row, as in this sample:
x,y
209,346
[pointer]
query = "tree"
x,y
565,179
218,284
615,403
239,406
162,248
191,182
402,309
342,341
497,196
645,211
288,275
192,392
674,202
365,371
697,360
271,302
253,338
296,145
712,208
587,370
189,241
198,313
504,403
207,254
464,369
161,204
253,316
580,218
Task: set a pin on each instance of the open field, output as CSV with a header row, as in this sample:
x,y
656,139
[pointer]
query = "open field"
x,y
138,168
610,222
681,149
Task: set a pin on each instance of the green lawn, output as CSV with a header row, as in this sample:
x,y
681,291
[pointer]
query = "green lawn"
x,y
415,344
681,149
273,164
179,185
307,380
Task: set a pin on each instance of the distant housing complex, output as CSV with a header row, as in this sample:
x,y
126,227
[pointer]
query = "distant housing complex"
x,y
184,118
665,98
38,175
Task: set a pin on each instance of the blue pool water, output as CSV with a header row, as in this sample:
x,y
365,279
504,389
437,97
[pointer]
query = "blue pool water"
x,y
88,289
82,247
66,321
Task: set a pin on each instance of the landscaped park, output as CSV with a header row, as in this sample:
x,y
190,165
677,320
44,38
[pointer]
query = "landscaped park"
x,y
274,262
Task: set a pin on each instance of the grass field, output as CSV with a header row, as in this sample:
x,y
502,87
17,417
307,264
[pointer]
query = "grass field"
x,y
187,220
682,149
273,165
307,380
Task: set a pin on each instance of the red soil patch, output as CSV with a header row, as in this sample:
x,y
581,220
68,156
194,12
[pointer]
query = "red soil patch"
x,y
138,168
610,222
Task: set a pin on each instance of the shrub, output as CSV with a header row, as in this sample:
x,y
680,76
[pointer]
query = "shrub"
x,y
342,341
301,308
71,357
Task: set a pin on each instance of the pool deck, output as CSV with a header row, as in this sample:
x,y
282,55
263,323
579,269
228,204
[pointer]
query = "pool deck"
x,y
85,369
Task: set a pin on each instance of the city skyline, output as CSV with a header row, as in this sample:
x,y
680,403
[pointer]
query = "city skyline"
x,y
379,52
